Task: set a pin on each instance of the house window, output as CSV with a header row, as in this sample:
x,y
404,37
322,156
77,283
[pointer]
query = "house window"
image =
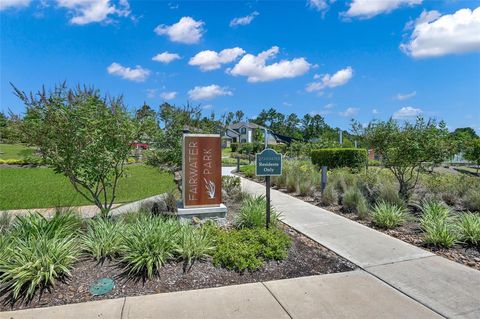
x,y
244,140
243,130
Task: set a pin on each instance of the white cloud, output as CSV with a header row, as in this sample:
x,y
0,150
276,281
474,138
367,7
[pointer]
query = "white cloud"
x,y
208,92
351,111
244,20
254,67
7,4
151,93
168,95
340,78
186,30
435,35
166,57
210,60
207,107
90,11
375,111
370,8
320,5
329,106
137,74
406,96
407,112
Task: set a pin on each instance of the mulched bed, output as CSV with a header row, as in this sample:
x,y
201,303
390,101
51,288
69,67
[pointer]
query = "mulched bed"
x,y
410,233
305,258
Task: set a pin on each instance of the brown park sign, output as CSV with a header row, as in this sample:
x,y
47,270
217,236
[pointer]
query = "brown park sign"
x,y
202,170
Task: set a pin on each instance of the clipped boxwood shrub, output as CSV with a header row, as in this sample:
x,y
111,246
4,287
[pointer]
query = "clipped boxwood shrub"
x,y
339,157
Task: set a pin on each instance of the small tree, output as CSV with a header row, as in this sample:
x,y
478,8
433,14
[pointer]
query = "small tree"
x,y
82,136
405,148
472,152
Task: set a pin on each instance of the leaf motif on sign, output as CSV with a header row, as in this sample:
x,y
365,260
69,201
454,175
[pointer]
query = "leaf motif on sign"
x,y
210,186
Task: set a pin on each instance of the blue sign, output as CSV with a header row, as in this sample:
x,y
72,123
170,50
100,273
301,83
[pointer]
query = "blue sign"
x,y
268,163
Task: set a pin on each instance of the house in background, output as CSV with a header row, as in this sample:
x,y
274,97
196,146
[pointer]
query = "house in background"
x,y
243,132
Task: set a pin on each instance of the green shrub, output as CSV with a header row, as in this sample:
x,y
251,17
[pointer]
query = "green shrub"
x,y
36,262
386,215
339,157
148,244
253,213
248,248
103,238
374,163
248,170
437,223
234,147
329,195
469,228
471,201
232,185
194,243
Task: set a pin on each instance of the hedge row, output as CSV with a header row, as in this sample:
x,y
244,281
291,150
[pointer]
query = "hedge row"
x,y
339,157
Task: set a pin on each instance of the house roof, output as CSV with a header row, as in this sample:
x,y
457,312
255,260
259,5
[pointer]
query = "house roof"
x,y
238,125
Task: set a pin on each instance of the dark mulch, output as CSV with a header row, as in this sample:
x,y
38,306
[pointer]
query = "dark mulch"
x,y
305,258
411,233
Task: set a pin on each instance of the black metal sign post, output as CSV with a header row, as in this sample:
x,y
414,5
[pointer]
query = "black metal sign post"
x,y
267,193
268,163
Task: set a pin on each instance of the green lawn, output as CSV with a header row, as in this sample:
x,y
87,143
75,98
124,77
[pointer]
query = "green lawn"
x,y
226,151
41,187
15,151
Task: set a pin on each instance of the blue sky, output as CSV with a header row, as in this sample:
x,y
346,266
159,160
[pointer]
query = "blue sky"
x,y
360,59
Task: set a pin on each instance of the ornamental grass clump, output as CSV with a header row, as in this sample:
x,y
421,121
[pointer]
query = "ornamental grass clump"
x,y
388,216
388,192
37,251
253,213
148,244
103,238
468,225
306,186
351,198
329,195
36,263
437,223
194,244
35,225
471,200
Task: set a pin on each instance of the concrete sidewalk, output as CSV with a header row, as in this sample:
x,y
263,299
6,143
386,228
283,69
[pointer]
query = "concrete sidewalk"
x,y
448,288
354,294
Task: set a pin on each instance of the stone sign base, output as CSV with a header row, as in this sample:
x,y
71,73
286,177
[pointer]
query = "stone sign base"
x,y
201,212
